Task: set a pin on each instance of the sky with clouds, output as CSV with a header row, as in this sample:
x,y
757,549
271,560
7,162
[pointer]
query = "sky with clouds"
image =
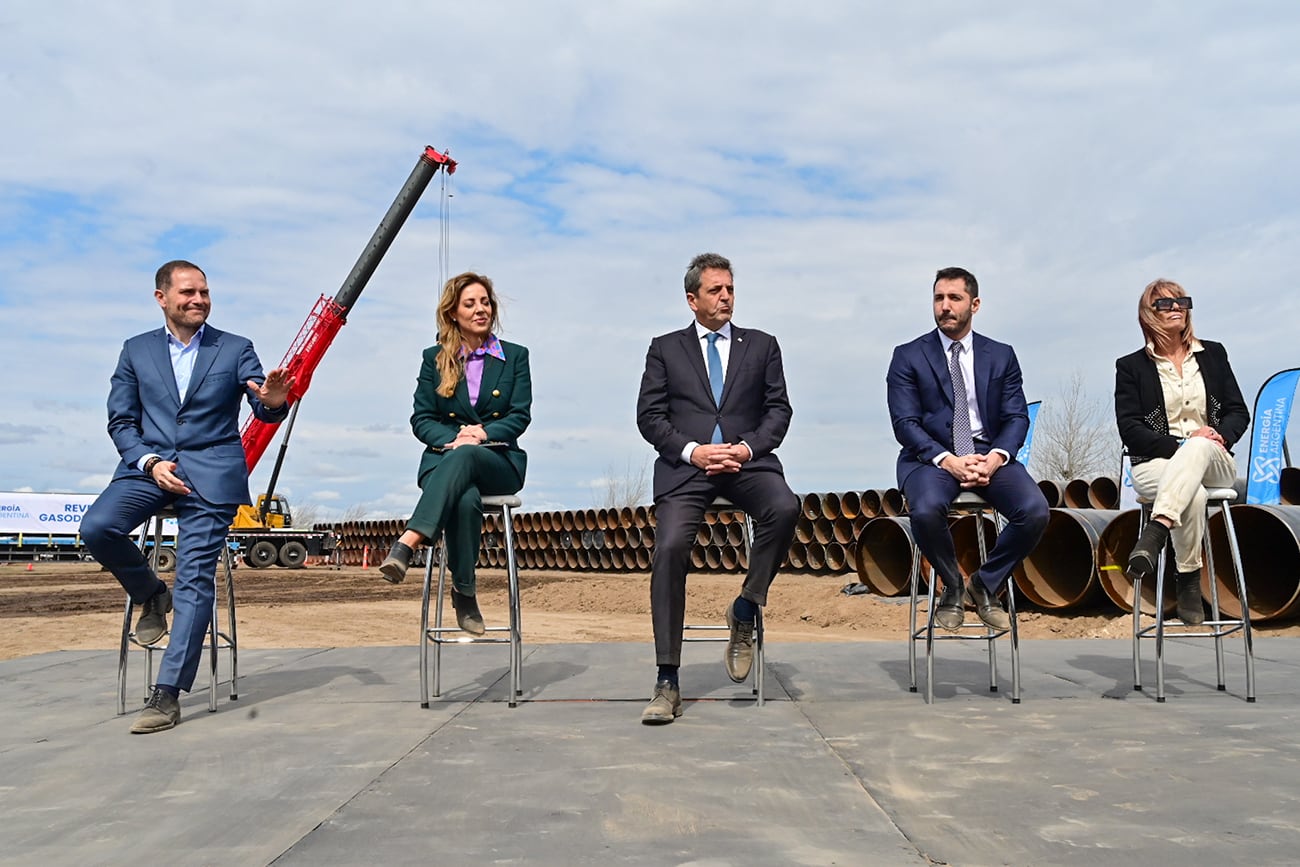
x,y
837,152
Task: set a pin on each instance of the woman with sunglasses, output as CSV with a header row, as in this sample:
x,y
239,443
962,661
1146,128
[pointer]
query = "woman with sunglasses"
x,y
1179,411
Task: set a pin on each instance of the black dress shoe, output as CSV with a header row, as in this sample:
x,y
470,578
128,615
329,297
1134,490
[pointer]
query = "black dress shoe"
x,y
987,605
950,612
1190,608
468,617
1145,554
396,563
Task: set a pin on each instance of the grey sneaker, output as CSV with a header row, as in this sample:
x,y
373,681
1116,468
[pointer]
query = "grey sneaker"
x,y
665,707
739,656
152,625
161,712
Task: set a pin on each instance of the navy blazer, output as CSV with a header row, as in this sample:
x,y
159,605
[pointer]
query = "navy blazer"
x,y
504,407
1140,403
201,433
675,405
919,389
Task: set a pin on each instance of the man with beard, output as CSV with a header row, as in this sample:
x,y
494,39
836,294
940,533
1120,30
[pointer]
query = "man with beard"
x,y
958,409
173,413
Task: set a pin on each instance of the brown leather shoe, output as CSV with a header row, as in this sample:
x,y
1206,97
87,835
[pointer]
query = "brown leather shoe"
x,y
161,712
152,625
665,707
950,611
739,656
987,605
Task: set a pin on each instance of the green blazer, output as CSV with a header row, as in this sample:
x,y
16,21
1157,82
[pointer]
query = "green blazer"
x,y
504,407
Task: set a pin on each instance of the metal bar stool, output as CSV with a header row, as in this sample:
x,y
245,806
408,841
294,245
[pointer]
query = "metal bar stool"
x,y
722,504
967,503
1218,627
436,634
217,639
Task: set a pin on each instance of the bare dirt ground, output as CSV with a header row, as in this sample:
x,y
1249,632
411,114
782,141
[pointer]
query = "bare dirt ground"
x,y
61,606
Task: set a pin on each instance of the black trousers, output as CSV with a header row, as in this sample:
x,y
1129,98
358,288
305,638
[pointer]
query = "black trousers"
x,y
763,495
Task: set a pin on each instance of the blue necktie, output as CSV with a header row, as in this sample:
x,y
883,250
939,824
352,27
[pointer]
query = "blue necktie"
x,y
715,379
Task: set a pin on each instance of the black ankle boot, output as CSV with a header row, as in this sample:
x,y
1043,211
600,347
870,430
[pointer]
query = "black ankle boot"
x,y
1142,562
396,563
1190,608
468,617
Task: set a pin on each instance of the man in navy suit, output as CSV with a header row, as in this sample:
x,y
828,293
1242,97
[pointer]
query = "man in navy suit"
x,y
173,414
714,406
966,442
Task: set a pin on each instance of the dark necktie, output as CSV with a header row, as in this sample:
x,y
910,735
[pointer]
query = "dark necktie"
x,y
715,379
962,441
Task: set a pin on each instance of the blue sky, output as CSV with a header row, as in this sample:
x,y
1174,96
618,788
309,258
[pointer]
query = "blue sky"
x,y
837,152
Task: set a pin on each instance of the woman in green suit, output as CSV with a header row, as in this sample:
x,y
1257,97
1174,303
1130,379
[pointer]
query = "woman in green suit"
x,y
472,401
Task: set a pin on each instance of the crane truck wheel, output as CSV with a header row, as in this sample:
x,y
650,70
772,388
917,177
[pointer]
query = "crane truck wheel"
x,y
166,559
261,555
293,554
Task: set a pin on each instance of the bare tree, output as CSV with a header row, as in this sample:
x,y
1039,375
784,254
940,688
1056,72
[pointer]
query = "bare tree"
x,y
306,515
627,489
1075,437
355,512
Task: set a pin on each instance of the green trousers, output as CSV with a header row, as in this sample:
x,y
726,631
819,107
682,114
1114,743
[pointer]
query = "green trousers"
x,y
451,500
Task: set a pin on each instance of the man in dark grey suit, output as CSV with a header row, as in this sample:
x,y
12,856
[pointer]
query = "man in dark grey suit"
x,y
173,413
713,404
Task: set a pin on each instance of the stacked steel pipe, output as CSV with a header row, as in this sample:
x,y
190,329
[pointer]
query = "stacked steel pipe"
x,y
1078,562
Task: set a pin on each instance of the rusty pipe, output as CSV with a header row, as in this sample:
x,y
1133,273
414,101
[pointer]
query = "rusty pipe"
x,y
1061,571
1269,541
1076,494
884,557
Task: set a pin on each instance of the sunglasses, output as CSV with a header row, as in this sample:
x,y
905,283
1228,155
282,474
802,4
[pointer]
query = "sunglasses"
x,y
1183,302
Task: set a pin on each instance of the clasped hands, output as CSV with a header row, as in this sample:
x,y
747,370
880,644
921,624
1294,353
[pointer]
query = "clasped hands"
x,y
275,390
470,435
715,458
973,471
1212,435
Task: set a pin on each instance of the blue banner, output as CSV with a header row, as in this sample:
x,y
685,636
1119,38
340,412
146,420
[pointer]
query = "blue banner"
x,y
1268,437
1022,456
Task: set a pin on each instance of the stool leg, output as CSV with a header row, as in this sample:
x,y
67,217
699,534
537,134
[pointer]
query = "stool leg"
x,y
914,582
929,639
1248,642
1137,634
424,630
232,641
437,622
121,658
1160,625
758,656
990,643
213,650
1216,628
512,601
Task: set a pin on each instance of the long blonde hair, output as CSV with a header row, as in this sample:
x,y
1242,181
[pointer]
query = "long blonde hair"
x,y
1149,319
451,367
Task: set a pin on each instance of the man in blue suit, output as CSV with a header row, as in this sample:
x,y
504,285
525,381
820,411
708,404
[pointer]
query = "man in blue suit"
x,y
958,409
173,414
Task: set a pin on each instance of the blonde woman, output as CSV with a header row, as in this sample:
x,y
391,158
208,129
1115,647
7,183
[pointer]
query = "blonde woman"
x,y
473,399
1179,411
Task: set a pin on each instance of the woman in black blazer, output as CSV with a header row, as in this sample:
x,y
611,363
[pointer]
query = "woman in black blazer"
x,y
1179,411
472,401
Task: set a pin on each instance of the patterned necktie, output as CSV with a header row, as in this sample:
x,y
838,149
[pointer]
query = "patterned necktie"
x,y
962,441
715,379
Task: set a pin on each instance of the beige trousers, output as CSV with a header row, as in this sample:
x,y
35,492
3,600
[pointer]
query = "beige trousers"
x,y
1177,486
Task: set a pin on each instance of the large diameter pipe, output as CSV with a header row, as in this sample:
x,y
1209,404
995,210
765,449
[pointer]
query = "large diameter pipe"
x,y
1103,493
891,502
1269,538
1076,494
1290,485
1113,548
884,555
966,543
1061,571
1053,492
